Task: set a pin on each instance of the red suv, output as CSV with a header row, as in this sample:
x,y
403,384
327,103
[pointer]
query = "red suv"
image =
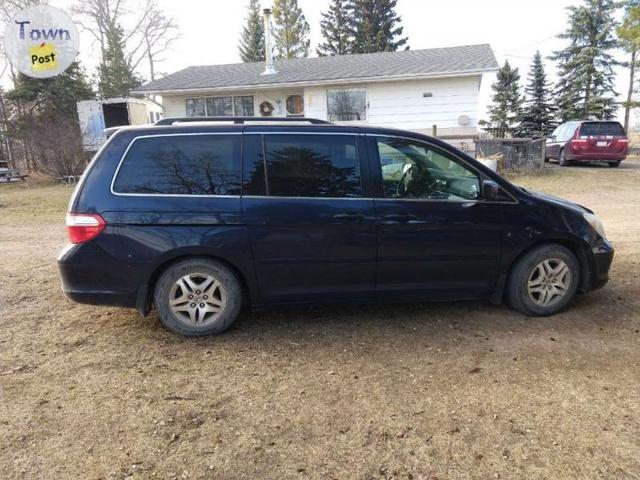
x,y
588,141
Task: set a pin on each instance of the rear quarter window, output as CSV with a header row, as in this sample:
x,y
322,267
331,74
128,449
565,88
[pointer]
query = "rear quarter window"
x,y
181,165
593,129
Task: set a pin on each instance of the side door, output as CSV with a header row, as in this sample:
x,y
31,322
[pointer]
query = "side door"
x,y
437,237
312,231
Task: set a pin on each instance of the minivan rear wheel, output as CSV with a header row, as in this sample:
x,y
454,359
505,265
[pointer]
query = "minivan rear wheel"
x,y
614,164
198,297
544,281
563,159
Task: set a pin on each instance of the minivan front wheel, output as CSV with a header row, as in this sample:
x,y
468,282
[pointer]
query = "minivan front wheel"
x,y
544,281
198,297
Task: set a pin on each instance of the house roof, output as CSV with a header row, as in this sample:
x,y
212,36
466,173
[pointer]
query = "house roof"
x,y
382,66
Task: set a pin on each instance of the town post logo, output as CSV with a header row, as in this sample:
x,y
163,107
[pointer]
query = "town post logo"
x,y
41,41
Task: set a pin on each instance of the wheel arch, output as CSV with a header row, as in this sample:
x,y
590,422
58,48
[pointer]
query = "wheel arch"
x,y
572,245
145,293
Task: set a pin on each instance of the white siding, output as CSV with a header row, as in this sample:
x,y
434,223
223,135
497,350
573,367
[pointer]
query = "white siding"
x,y
402,104
398,104
174,106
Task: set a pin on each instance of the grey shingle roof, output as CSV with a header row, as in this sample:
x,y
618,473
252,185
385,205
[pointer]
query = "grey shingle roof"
x,y
431,62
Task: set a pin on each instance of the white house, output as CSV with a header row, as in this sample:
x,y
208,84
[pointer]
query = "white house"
x,y
413,89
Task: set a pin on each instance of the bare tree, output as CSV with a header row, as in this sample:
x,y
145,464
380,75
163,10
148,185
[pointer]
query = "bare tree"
x,y
147,37
159,32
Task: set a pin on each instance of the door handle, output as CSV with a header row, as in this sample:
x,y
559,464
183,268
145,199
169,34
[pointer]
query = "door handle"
x,y
349,217
399,217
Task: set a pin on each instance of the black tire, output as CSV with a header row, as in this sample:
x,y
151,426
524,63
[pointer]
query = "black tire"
x,y
229,289
518,294
614,164
563,160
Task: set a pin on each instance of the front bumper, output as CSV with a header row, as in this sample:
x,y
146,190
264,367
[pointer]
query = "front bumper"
x,y
601,263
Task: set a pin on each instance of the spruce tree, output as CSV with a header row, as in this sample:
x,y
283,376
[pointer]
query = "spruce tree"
x,y
629,40
55,98
115,77
504,112
585,66
252,39
538,112
377,26
337,29
291,30
46,120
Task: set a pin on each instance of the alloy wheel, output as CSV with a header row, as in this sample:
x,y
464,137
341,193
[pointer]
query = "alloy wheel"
x,y
197,299
549,282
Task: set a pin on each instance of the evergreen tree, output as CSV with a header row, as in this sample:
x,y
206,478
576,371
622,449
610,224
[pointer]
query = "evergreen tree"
x,y
115,77
504,113
46,120
629,40
291,30
337,28
538,113
252,40
54,98
586,76
377,26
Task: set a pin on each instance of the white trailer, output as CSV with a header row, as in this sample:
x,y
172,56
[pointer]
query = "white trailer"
x,y
97,115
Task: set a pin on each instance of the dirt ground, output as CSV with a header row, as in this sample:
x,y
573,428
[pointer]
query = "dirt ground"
x,y
428,391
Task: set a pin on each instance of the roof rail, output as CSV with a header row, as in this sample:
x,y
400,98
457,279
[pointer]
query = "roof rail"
x,y
240,120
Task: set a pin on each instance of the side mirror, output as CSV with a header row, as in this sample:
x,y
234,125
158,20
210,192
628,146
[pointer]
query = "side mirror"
x,y
490,190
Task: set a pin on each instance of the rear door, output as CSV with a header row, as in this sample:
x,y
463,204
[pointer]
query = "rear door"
x,y
312,229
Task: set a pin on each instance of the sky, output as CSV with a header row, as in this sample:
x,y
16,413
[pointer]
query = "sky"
x,y
515,29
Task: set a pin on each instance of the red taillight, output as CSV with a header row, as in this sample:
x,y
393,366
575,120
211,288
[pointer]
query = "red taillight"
x,y
578,144
83,227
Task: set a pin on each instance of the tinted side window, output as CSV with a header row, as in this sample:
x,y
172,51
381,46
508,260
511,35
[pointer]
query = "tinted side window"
x,y
182,164
254,182
312,165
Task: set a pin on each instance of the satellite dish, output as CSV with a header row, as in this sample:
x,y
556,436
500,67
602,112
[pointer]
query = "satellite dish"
x,y
464,120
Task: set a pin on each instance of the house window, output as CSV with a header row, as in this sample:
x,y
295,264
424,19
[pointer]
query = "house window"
x,y
240,106
347,104
196,107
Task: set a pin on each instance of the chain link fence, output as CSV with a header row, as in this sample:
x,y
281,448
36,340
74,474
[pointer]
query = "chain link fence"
x,y
512,153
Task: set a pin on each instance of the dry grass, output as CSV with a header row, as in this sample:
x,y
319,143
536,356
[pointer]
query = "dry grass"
x,y
431,391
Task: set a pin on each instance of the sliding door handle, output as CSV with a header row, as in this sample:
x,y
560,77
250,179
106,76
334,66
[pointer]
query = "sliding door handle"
x,y
349,217
399,217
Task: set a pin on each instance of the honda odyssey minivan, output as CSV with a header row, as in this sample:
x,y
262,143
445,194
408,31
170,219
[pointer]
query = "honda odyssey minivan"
x,y
199,217
588,141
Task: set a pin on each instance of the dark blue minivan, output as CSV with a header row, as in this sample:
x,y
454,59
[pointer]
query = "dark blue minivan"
x,y
199,217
